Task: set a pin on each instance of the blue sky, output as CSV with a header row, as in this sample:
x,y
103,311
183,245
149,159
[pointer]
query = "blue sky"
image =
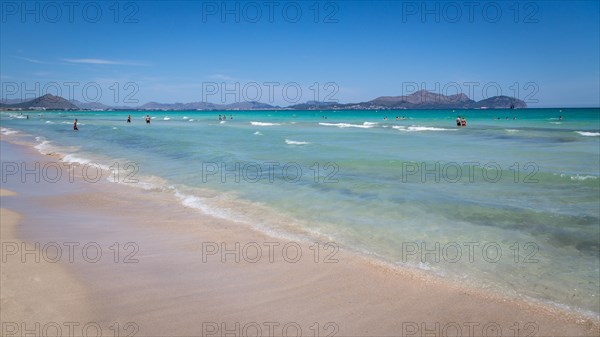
x,y
120,53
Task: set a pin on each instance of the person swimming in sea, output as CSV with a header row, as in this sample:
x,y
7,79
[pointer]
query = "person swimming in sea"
x,y
147,119
129,119
230,116
463,122
458,123
75,125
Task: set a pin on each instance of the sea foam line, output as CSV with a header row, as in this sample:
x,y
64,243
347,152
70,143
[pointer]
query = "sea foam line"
x,y
7,131
204,205
420,128
293,142
578,177
264,124
365,125
588,134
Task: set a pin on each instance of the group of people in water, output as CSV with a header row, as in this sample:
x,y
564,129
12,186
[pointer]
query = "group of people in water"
x,y
460,121
147,119
223,118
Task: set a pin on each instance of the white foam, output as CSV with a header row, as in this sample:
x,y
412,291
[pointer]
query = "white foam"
x,y
555,122
71,158
210,206
74,159
365,125
195,202
6,131
293,142
264,124
44,147
18,116
222,122
50,122
511,130
424,266
258,133
427,128
185,117
419,128
588,134
582,178
166,119
191,120
577,177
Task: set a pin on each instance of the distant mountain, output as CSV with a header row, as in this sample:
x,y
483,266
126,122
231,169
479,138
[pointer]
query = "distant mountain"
x,y
90,105
200,106
79,105
48,101
311,105
174,106
205,106
422,99
500,102
247,106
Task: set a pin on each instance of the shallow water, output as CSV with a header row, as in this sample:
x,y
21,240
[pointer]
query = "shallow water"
x,y
509,204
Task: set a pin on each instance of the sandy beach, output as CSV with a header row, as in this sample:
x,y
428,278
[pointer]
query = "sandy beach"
x,y
300,168
35,291
137,262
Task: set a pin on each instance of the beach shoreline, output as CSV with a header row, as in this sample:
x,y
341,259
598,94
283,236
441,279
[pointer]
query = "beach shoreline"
x,y
173,245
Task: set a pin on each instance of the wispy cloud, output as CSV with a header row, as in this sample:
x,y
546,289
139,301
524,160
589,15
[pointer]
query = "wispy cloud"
x,y
221,77
31,60
105,62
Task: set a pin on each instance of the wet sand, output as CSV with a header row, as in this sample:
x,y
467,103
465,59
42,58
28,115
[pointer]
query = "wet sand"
x,y
161,271
33,289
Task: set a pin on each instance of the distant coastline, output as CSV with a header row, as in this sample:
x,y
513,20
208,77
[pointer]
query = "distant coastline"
x,y
420,100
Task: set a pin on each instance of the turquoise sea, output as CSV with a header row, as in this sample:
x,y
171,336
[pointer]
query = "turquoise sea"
x,y
509,203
